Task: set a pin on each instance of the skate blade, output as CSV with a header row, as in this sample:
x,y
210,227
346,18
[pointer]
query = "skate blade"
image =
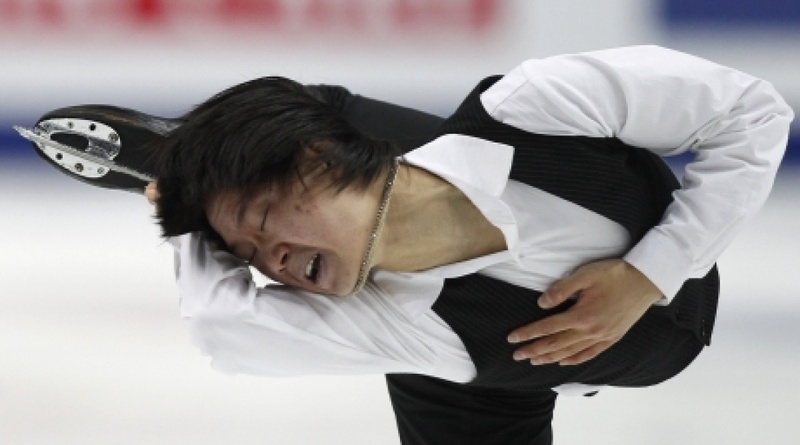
x,y
93,162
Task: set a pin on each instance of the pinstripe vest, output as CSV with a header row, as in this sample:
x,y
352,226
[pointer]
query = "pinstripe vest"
x,y
626,184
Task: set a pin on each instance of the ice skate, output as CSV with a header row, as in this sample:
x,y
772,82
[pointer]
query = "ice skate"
x,y
101,145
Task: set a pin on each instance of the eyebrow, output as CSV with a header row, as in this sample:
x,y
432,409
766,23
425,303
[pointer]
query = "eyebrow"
x,y
244,204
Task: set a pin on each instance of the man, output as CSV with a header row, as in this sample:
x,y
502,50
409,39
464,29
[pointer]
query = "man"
x,y
549,157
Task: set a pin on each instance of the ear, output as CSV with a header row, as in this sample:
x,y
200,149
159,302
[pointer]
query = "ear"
x,y
317,148
315,166
314,152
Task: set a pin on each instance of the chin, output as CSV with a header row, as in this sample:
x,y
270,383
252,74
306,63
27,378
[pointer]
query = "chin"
x,y
339,293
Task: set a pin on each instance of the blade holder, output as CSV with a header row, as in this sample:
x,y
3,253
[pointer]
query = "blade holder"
x,y
102,142
95,161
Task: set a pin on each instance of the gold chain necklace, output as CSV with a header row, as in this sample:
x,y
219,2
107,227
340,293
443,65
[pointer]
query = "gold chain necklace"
x,y
363,272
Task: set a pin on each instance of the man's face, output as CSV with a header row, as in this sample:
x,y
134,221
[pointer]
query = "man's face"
x,y
312,238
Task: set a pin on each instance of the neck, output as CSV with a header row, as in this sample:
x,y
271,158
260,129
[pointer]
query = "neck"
x,y
431,223
380,218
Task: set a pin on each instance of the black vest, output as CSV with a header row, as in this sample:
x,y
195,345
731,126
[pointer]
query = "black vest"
x,y
626,184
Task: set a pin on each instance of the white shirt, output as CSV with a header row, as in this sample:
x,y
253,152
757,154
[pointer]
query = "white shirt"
x,y
661,100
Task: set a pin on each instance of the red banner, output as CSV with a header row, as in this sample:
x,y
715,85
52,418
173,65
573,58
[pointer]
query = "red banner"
x,y
343,17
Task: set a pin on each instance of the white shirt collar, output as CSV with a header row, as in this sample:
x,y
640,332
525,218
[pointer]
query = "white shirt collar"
x,y
466,161
480,169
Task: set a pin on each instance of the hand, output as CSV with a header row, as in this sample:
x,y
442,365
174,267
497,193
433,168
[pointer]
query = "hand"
x,y
612,296
151,193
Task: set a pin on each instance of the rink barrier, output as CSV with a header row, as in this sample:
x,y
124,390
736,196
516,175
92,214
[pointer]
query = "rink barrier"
x,y
12,146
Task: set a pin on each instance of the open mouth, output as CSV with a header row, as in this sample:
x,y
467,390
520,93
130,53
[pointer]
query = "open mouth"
x,y
312,268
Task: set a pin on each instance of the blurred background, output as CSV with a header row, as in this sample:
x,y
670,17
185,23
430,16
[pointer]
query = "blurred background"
x,y
92,350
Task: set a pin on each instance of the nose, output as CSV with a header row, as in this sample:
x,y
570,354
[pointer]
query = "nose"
x,y
278,258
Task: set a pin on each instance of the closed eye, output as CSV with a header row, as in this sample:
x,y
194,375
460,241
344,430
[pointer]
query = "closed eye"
x,y
264,219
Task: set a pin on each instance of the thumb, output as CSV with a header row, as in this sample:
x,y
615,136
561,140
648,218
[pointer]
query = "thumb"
x,y
151,192
559,292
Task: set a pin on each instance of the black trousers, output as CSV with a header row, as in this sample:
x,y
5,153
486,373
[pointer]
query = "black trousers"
x,y
431,411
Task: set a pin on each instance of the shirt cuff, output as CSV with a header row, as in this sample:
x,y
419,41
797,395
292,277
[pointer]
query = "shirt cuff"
x,y
661,260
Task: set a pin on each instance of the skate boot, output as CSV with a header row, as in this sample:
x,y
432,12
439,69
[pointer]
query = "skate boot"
x,y
101,145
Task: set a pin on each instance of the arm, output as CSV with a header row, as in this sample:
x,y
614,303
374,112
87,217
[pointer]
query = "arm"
x,y
278,331
668,103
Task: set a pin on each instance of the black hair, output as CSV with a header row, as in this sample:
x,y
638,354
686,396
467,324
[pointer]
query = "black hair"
x,y
253,135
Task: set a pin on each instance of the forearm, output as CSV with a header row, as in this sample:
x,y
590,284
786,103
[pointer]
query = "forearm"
x,y
737,154
279,331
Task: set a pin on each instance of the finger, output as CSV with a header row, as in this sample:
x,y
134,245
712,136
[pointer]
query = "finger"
x,y
561,290
151,192
586,354
562,354
546,326
554,347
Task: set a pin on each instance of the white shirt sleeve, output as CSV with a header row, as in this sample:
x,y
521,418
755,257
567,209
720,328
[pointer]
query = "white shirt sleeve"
x,y
279,331
667,102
